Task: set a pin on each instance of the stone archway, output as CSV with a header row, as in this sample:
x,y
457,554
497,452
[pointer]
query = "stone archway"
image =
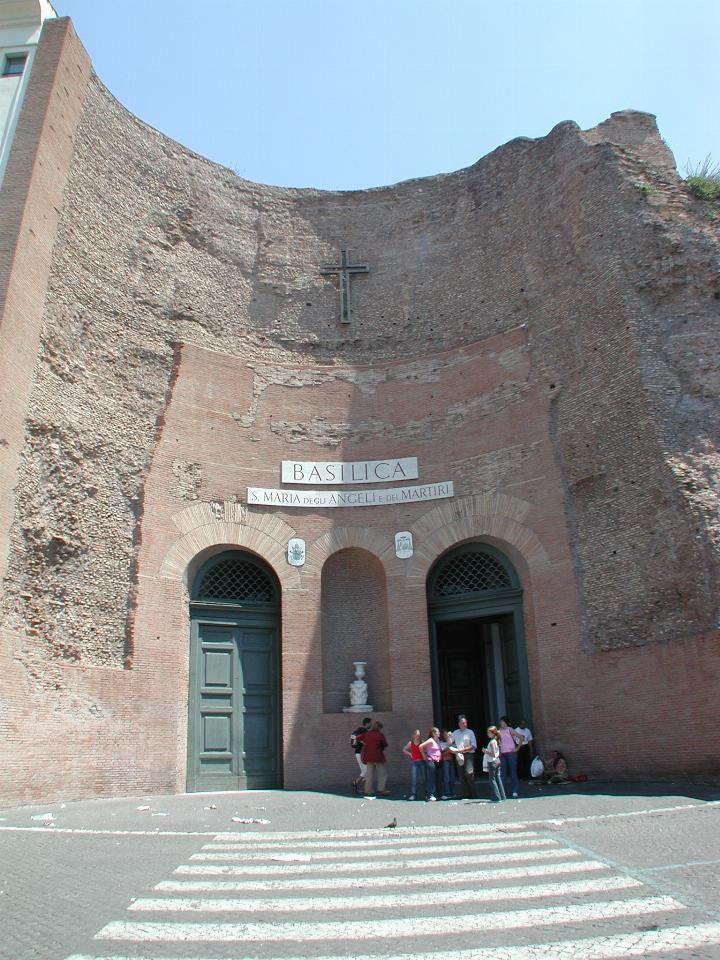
x,y
234,678
477,641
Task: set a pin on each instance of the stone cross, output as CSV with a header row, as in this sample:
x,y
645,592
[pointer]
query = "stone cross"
x,y
343,270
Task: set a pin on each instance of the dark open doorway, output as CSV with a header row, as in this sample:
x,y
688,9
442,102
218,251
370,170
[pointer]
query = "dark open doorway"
x,y
472,677
477,643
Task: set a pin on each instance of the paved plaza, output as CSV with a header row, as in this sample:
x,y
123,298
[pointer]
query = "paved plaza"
x,y
585,872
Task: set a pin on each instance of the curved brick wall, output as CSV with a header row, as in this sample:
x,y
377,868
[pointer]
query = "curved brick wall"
x,y
541,328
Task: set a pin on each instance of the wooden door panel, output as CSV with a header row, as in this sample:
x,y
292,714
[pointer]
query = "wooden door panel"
x,y
256,668
217,668
234,706
260,709
217,734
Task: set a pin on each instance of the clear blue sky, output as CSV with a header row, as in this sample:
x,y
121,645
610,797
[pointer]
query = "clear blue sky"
x,y
344,95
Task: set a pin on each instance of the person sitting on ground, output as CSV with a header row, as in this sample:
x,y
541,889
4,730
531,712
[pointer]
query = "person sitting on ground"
x,y
374,746
432,754
412,749
557,768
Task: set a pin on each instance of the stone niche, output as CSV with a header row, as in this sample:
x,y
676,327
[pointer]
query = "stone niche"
x,y
354,627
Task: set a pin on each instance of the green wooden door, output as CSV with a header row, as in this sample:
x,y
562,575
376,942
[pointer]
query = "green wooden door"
x,y
233,722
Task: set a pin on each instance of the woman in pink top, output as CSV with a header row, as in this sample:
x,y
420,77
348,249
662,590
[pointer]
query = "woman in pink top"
x,y
510,742
432,754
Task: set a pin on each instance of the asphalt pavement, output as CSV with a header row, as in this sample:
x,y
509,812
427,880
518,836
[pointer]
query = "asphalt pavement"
x,y
583,871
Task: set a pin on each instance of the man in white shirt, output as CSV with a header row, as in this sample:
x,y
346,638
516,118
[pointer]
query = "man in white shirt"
x,y
525,753
465,744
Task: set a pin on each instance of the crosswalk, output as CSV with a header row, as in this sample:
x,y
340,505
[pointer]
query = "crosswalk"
x,y
469,893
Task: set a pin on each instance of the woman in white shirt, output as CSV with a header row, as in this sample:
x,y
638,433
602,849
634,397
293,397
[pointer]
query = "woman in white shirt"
x,y
525,753
491,762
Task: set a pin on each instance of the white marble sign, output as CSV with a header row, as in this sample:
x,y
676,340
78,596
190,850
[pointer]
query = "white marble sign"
x,y
403,545
296,552
358,471
348,498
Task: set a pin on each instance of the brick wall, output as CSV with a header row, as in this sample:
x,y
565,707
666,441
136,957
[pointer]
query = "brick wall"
x,y
537,328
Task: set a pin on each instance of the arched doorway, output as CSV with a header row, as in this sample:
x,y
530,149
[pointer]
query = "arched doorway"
x,y
477,645
234,696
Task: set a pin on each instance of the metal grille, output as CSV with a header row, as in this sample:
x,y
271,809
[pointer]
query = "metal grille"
x,y
471,573
235,581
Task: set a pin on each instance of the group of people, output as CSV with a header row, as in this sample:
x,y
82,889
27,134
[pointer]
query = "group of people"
x,y
436,759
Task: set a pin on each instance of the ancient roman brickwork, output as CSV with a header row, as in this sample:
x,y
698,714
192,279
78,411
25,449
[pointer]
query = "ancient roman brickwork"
x,y
541,328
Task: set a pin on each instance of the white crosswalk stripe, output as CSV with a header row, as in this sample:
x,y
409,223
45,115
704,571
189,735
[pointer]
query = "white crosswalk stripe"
x,y
355,882
375,866
388,839
674,939
277,892
370,852
384,929
318,904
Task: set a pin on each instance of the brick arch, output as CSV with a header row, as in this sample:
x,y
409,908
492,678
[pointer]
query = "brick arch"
x,y
363,538
206,526
499,518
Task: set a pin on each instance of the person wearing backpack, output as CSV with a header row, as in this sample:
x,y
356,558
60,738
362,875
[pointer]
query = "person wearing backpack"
x,y
373,755
357,747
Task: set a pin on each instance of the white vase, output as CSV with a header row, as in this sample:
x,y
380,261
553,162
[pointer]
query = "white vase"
x,y
358,690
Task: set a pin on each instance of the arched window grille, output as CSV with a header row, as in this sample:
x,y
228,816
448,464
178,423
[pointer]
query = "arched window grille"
x,y
235,579
470,572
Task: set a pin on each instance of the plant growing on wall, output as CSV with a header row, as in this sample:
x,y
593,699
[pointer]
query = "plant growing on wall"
x,y
703,179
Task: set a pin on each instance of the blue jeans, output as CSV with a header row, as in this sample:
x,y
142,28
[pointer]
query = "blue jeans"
x,y
508,763
430,778
496,784
448,778
418,767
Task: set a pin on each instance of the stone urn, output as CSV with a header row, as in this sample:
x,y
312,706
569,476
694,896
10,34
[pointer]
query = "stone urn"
x,y
358,690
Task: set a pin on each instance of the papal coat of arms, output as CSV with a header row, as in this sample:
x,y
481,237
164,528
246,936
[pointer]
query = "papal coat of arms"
x,y
403,545
296,552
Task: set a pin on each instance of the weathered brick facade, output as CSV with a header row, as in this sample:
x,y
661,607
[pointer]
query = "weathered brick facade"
x,y
540,328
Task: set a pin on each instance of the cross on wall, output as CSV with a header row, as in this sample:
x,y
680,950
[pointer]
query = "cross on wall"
x,y
344,270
